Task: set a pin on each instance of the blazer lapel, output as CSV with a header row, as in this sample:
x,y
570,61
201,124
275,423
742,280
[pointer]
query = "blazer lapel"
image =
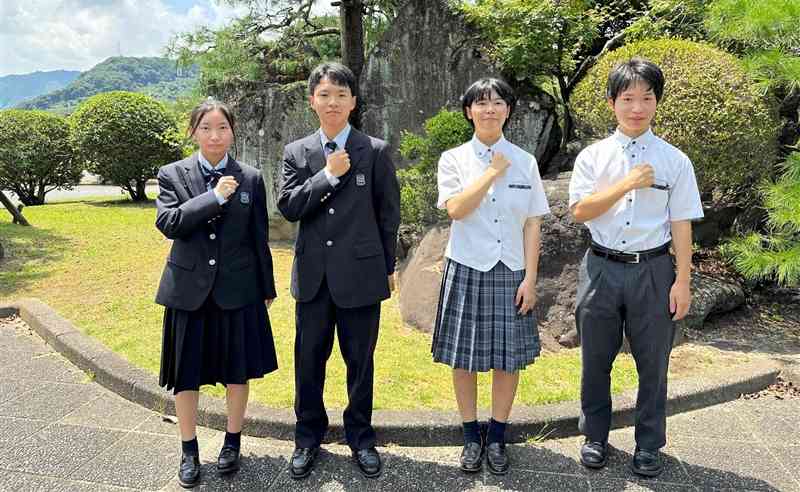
x,y
192,177
315,158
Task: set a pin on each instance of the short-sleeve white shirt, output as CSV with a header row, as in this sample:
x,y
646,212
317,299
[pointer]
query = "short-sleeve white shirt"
x,y
641,219
493,232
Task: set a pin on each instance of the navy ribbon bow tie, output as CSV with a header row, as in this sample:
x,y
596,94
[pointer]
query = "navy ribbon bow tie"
x,y
212,177
331,147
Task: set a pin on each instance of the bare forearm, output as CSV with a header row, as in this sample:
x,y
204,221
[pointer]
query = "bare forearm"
x,y
468,200
598,203
532,241
682,243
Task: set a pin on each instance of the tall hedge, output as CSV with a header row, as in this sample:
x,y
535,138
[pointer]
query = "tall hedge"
x,y
35,154
711,110
125,137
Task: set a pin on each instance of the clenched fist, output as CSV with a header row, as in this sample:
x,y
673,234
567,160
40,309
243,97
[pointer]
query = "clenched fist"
x,y
226,186
641,176
338,163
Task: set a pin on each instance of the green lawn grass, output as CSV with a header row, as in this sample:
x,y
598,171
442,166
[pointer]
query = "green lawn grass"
x,y
98,263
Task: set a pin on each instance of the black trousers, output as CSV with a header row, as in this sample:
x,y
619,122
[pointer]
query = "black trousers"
x,y
357,331
616,298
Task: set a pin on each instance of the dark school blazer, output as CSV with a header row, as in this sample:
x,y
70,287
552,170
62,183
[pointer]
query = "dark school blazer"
x,y
220,251
347,234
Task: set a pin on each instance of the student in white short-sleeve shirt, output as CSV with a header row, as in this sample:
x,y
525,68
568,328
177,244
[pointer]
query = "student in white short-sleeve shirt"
x,y
485,321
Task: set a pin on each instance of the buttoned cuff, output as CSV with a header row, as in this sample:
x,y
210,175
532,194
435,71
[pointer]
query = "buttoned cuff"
x,y
333,180
220,199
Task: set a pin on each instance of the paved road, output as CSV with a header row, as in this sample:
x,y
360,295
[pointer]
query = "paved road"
x,y
61,432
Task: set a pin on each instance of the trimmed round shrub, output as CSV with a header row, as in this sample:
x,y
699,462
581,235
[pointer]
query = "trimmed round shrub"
x,y
35,154
125,137
711,110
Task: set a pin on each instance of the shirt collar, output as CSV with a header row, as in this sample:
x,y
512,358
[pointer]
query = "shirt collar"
x,y
340,139
207,167
482,150
625,141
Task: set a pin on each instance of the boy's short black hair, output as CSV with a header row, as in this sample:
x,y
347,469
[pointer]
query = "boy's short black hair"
x,y
335,72
482,89
631,72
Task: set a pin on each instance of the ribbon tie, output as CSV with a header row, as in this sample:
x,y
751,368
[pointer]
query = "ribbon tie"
x,y
212,177
331,147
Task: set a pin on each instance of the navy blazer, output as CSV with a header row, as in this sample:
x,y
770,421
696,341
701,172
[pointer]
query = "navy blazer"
x,y
347,234
220,251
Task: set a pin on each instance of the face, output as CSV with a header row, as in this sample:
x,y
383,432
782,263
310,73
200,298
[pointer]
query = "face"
x,y
332,103
488,114
213,135
634,109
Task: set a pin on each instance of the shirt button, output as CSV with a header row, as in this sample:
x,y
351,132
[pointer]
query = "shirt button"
x,y
627,223
331,211
498,241
212,236
328,243
623,242
212,262
494,199
495,221
630,200
633,155
634,142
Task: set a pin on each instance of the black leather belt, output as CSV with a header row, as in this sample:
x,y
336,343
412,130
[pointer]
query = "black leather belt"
x,y
629,257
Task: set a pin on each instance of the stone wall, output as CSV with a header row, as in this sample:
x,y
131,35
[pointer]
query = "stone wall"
x,y
424,63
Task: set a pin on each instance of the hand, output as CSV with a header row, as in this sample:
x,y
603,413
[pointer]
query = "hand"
x,y
499,164
526,296
391,282
680,298
641,176
338,163
226,186
268,302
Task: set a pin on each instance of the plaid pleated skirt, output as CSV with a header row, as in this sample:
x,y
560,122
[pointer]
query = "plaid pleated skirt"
x,y
477,324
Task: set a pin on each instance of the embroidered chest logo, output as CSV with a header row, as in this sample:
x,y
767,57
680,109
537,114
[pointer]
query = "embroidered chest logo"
x,y
244,197
361,180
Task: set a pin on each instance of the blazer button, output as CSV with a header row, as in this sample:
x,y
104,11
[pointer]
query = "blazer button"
x,y
212,262
331,211
328,243
212,236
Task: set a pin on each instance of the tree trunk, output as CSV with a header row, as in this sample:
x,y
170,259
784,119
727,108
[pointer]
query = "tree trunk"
x,y
351,15
139,194
18,218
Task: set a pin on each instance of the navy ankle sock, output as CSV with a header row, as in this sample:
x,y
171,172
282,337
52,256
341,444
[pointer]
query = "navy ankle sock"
x,y
497,432
190,447
472,432
233,440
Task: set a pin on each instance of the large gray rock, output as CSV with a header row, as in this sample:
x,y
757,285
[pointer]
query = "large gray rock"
x,y
423,63
563,245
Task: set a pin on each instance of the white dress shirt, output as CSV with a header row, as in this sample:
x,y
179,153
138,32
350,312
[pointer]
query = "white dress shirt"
x,y
641,219
493,231
340,140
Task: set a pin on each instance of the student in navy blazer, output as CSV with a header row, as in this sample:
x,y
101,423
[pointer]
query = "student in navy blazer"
x,y
217,282
341,185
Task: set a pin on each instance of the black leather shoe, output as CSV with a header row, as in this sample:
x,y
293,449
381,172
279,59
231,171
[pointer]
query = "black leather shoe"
x,y
189,472
472,457
647,463
228,461
369,461
594,454
303,462
497,458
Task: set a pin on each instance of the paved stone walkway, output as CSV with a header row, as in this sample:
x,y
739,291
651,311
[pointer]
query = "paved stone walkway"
x,y
59,431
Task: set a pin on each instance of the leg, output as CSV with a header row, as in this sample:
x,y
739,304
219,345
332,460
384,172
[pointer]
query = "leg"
x,y
465,384
312,348
504,389
236,396
186,411
358,336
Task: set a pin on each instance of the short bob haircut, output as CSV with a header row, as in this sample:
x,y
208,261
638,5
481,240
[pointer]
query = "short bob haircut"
x,y
206,107
632,72
482,89
336,73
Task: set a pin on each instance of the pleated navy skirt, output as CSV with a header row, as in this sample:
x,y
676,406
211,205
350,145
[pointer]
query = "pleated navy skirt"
x,y
213,345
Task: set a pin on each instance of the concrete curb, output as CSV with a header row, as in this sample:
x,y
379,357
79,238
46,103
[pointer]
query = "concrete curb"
x,y
410,428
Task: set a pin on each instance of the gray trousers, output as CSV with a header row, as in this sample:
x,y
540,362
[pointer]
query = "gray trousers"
x,y
615,298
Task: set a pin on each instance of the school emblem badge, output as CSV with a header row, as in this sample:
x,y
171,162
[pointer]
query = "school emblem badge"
x,y
244,197
361,180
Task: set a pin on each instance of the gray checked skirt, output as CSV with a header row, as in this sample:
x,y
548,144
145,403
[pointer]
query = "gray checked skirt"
x,y
477,325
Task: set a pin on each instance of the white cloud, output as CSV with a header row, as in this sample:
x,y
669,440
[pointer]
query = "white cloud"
x,y
78,34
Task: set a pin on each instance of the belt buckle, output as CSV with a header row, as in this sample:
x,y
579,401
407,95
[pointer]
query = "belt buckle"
x,y
636,255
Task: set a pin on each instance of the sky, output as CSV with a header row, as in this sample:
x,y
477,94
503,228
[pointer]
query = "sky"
x,y
78,34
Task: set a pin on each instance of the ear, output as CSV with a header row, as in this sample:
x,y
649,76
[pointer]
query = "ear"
x,y
469,113
311,100
610,103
